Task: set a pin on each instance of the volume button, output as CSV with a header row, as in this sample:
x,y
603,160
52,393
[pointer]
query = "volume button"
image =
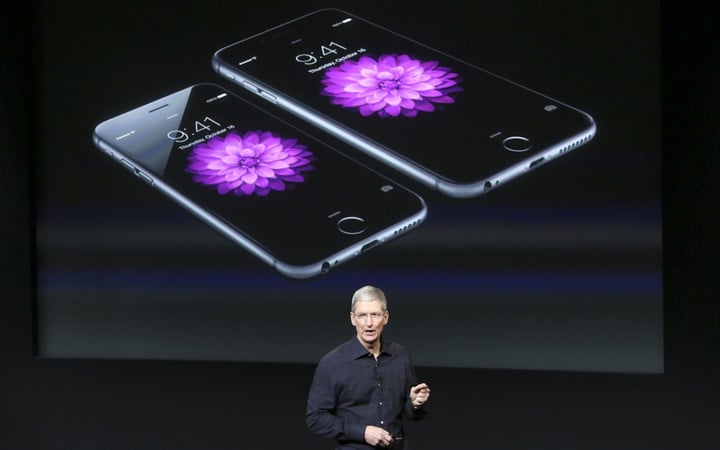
x,y
127,165
137,172
251,87
144,177
269,97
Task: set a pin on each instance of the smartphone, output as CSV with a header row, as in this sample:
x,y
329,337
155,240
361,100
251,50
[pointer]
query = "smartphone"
x,y
295,203
444,122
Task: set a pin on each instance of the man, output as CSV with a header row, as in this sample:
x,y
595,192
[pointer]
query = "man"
x,y
362,388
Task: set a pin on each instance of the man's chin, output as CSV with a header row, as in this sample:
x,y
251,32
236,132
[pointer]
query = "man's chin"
x,y
369,337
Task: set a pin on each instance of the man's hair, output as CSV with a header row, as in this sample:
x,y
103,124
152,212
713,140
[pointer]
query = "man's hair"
x,y
368,294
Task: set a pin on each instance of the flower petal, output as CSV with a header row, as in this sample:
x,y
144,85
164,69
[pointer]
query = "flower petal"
x,y
249,165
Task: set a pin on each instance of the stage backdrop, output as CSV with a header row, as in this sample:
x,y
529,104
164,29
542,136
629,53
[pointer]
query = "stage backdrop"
x,y
559,269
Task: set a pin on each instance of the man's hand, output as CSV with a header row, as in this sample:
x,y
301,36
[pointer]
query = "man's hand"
x,y
377,437
419,394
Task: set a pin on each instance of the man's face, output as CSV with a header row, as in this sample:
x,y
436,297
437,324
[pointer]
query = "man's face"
x,y
369,320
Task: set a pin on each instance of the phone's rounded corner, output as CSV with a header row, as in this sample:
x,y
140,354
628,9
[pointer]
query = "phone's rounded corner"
x,y
330,9
95,138
593,128
423,210
301,272
423,213
209,84
96,134
464,190
216,61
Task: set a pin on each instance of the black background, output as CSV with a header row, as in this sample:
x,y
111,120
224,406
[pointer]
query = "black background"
x,y
161,404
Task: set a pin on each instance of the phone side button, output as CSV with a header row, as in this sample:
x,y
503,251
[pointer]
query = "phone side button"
x,y
127,165
145,178
251,87
269,97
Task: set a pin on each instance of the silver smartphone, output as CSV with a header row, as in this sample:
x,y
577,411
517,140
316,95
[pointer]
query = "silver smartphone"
x,y
294,202
444,122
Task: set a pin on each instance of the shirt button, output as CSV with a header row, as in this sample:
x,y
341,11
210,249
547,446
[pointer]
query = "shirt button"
x,y
380,403
382,422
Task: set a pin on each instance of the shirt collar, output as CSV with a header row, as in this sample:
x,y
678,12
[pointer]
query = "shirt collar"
x,y
357,350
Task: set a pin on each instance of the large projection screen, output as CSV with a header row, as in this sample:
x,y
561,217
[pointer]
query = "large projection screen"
x,y
560,269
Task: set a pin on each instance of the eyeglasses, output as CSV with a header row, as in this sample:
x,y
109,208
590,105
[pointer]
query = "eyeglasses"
x,y
363,317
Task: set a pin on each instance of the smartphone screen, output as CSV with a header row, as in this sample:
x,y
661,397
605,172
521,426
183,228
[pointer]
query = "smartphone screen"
x,y
296,203
447,123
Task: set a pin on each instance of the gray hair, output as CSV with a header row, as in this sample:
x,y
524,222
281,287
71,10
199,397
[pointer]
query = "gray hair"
x,y
368,294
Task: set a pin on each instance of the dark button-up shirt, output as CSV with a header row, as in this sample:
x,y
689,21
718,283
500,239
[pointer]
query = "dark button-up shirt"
x,y
351,389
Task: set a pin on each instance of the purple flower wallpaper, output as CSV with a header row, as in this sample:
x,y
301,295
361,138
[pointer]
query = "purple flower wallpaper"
x,y
255,163
390,86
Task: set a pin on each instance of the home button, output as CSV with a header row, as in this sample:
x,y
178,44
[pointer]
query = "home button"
x,y
352,225
517,144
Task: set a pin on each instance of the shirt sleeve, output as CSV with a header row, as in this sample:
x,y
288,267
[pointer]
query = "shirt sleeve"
x,y
410,411
320,416
414,413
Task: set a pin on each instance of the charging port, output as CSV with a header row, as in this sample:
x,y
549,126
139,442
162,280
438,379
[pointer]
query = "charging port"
x,y
537,162
368,246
